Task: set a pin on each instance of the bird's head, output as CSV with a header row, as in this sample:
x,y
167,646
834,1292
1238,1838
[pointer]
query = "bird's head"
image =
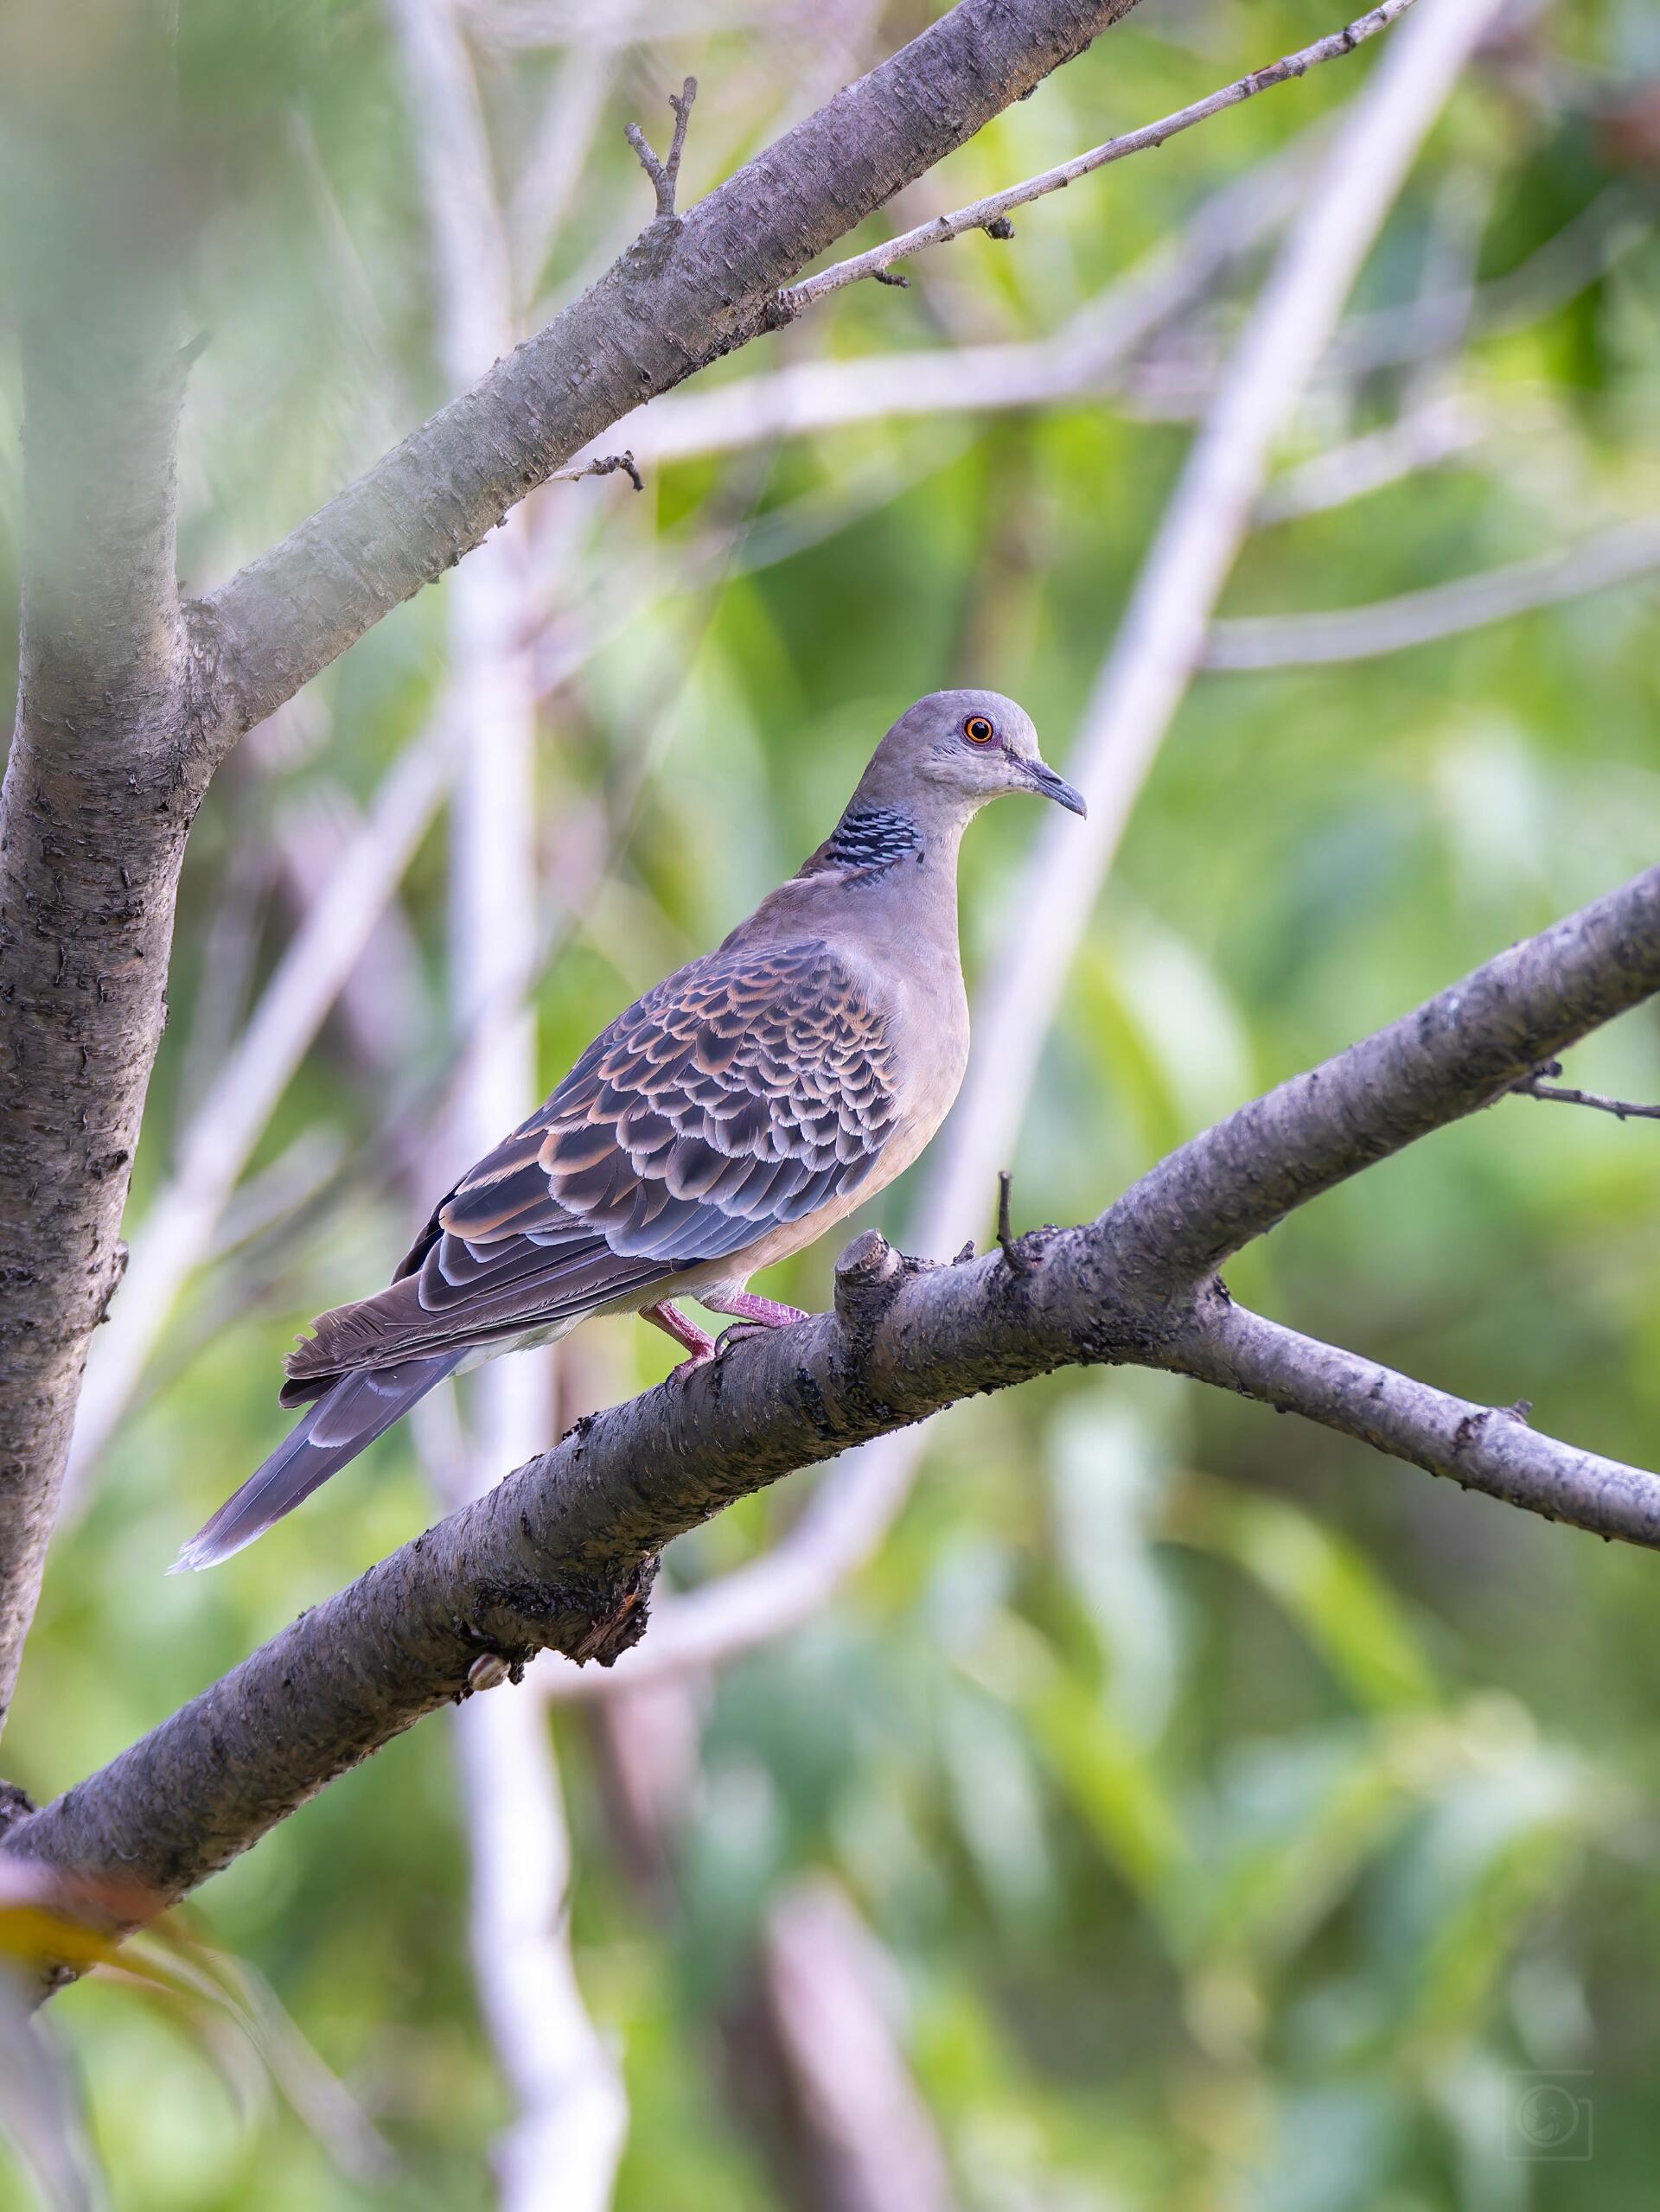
x,y
954,750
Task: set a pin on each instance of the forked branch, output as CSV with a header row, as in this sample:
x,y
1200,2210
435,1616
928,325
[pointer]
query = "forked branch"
x,y
666,174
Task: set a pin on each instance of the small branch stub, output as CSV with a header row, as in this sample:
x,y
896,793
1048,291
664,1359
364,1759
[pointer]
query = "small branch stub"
x,y
607,464
868,1274
665,176
1017,1260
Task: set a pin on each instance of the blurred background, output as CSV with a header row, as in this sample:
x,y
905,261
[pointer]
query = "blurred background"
x,y
1141,1802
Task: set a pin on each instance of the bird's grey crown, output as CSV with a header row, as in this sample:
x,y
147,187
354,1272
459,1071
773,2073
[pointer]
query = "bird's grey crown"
x,y
867,841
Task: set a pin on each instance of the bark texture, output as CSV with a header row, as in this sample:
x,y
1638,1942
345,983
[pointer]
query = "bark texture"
x,y
101,783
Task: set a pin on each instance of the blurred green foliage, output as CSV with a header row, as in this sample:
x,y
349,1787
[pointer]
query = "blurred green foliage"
x,y
1241,1810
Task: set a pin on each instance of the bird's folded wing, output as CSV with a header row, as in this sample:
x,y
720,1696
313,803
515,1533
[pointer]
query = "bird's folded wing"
x,y
748,1090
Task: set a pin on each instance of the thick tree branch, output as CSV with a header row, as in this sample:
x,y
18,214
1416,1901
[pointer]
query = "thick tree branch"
x,y
677,299
1457,1051
561,1554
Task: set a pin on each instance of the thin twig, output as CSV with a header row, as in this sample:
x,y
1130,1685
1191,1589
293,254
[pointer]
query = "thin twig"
x,y
987,214
665,176
1533,1086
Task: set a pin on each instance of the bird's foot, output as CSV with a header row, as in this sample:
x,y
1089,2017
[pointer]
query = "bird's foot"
x,y
756,1317
699,1345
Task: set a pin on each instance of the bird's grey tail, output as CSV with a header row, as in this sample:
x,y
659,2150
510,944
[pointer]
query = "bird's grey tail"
x,y
350,1415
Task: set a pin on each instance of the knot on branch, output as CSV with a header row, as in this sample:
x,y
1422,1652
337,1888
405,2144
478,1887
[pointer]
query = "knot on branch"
x,y
868,1277
117,1275
622,1624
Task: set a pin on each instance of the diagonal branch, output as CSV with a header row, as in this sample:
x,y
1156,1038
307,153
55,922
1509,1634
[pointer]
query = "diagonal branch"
x,y
1620,555
1087,354
1457,1053
1534,1087
992,214
561,1555
666,308
1488,1447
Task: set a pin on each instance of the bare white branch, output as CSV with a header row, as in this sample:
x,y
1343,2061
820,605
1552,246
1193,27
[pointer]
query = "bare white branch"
x,y
1427,436
571,2114
1622,555
180,1223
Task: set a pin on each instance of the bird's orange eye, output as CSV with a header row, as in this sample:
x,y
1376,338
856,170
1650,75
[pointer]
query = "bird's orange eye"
x,y
978,730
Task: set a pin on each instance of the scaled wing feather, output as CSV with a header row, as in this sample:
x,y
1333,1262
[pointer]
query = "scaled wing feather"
x,y
747,1090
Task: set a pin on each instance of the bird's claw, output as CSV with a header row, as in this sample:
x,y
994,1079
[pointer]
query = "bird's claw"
x,y
736,1333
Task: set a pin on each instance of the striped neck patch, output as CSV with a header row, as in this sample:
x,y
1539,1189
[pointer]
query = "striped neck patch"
x,y
867,842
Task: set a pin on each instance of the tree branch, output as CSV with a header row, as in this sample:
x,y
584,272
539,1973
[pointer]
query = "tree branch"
x,y
571,2111
1087,355
561,1554
1533,1086
181,1218
97,796
1487,1448
1618,556
992,214
664,310
1457,1051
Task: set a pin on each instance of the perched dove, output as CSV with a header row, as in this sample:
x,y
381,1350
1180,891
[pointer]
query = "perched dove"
x,y
729,1117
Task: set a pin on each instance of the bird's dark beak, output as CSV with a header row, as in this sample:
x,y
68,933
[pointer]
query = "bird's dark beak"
x,y
1045,781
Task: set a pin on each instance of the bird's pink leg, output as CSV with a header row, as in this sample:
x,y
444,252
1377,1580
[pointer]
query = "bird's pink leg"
x,y
700,1346
753,1314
